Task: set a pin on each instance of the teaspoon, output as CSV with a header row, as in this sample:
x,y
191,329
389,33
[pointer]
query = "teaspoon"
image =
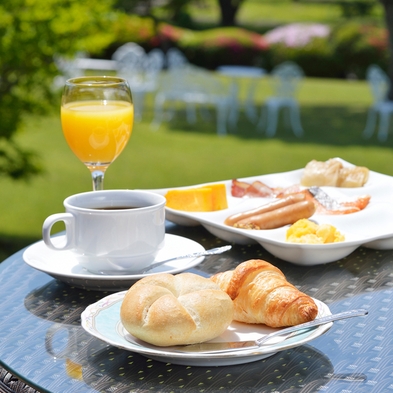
x,y
213,251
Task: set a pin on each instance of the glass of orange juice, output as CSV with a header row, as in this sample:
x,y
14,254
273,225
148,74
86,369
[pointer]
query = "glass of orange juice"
x,y
97,116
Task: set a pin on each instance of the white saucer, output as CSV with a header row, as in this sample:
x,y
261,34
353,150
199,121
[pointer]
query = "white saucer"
x,y
63,266
102,320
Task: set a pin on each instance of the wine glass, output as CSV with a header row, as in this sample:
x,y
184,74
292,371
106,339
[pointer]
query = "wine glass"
x,y
97,115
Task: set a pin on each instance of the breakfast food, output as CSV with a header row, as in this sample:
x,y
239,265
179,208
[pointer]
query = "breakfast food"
x,y
240,189
257,189
266,207
276,214
261,294
164,309
306,231
333,173
198,199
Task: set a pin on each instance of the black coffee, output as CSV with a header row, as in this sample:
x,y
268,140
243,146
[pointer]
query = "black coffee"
x,y
116,208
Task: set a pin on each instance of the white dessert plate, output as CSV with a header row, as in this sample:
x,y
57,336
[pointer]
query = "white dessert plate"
x,y
63,266
102,320
371,227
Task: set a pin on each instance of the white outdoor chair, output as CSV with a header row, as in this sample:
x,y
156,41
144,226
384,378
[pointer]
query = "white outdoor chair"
x,y
141,69
253,75
153,65
68,69
130,47
130,60
285,80
379,85
193,87
175,58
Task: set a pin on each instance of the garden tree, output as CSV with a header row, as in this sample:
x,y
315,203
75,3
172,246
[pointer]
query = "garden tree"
x,y
177,8
229,9
31,33
140,7
388,6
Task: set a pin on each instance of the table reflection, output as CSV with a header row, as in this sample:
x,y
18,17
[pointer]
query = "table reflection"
x,y
42,342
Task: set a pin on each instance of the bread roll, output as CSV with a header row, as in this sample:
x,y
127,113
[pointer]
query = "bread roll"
x,y
164,309
261,294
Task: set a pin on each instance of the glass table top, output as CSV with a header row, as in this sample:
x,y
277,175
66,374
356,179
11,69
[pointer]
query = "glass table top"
x,y
43,344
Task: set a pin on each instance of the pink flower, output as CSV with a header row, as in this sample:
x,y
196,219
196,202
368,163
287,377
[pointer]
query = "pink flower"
x,y
296,34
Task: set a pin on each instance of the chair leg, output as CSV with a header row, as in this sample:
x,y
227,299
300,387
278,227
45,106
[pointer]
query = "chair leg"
x,y
233,116
158,111
383,126
370,124
262,120
272,119
251,111
191,112
205,113
287,110
221,110
295,120
138,104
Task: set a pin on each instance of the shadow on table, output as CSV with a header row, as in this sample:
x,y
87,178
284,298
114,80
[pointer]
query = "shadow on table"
x,y
288,370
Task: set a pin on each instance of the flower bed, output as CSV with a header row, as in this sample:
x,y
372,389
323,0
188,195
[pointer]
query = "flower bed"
x,y
321,50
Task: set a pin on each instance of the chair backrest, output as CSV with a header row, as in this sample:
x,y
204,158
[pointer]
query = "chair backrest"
x,y
175,58
285,79
193,84
379,83
68,67
154,61
124,50
130,59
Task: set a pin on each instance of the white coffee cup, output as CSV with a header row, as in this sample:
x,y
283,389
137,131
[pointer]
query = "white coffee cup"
x,y
112,231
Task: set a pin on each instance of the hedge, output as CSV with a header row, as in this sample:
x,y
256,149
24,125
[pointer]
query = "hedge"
x,y
346,51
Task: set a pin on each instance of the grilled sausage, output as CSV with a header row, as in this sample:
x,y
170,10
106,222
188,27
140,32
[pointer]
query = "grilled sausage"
x,y
280,217
289,200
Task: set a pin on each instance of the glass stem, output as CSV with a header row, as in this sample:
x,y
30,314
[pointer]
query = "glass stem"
x,y
98,179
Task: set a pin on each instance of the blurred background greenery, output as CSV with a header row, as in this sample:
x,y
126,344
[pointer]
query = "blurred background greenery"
x,y
38,170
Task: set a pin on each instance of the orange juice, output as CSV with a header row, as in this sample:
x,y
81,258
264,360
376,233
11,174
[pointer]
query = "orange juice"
x,y
97,131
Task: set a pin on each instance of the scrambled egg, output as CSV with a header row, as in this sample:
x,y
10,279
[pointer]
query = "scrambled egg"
x,y
306,231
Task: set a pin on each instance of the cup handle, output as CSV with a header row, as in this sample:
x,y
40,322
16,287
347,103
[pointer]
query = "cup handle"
x,y
49,339
68,220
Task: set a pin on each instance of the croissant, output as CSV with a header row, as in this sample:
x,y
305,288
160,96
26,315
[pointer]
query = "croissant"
x,y
261,294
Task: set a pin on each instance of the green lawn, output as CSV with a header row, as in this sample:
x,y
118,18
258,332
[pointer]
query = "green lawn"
x,y
333,115
260,14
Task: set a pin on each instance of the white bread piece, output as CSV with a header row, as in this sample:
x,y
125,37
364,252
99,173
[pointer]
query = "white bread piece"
x,y
333,173
165,309
318,173
353,177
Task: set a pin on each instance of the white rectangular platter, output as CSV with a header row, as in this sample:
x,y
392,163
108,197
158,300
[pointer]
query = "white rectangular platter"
x,y
371,227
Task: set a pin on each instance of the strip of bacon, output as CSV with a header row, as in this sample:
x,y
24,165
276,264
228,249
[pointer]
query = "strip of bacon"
x,y
255,189
242,189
